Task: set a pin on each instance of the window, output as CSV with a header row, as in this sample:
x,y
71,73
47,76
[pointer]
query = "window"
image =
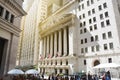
x,y
82,6
96,37
107,22
84,23
80,17
92,49
105,47
82,50
79,7
81,41
7,15
83,15
94,19
85,30
90,21
88,3
92,39
111,45
102,24
12,18
97,47
105,5
86,50
92,1
80,24
81,31
106,14
109,34
1,10
101,16
84,62
104,36
93,11
99,7
91,28
95,26
89,13
85,40
109,60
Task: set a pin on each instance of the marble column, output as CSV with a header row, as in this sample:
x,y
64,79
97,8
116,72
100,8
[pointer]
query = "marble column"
x,y
47,53
55,44
60,43
51,45
65,42
41,48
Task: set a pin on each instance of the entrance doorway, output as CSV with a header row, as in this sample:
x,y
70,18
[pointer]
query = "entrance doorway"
x,y
3,49
96,62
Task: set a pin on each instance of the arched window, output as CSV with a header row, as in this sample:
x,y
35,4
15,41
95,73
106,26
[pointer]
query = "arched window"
x,y
96,62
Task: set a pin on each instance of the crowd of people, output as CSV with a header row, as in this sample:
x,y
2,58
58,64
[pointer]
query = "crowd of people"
x,y
84,76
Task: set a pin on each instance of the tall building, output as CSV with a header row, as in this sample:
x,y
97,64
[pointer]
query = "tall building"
x,y
28,44
10,16
78,35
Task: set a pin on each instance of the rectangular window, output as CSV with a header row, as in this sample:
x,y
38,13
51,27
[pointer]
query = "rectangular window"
x,y
81,31
106,14
90,21
111,45
105,47
85,30
93,11
80,17
91,28
101,16
109,34
1,10
104,36
96,37
82,50
99,7
109,60
92,49
81,41
89,13
107,22
85,40
84,62
7,15
79,7
84,23
12,18
105,5
83,15
80,24
97,47
102,24
92,1
92,39
94,19
95,26
86,50
88,3
82,6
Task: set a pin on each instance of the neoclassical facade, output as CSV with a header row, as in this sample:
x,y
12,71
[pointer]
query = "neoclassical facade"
x,y
78,35
10,16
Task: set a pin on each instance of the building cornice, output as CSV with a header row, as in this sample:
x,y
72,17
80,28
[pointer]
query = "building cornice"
x,y
56,23
14,5
9,27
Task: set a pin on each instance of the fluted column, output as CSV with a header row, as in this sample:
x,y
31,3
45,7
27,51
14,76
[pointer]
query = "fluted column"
x,y
41,47
45,43
51,45
55,43
47,53
44,48
60,43
65,42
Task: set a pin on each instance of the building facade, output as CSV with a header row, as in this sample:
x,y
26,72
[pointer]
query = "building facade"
x,y
10,16
78,35
28,43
